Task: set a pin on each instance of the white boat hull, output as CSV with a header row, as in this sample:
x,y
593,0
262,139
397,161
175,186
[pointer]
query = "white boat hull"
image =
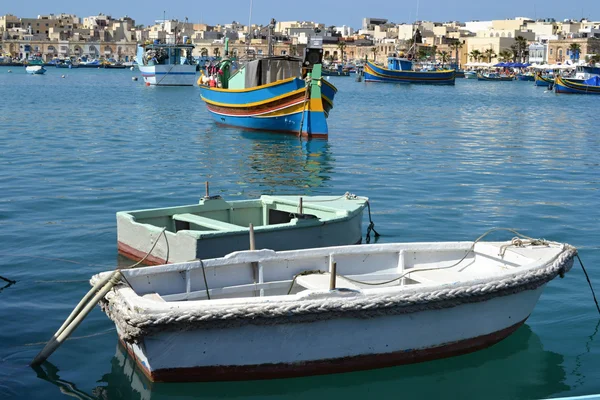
x,y
331,346
265,314
35,70
169,75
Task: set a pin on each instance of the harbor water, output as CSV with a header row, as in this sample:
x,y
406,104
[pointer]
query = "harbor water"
x,y
438,163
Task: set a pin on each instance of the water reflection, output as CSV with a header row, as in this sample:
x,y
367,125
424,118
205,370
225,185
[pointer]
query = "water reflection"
x,y
517,367
275,161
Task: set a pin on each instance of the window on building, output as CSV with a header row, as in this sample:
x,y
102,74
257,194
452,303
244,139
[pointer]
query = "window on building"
x,y
551,51
283,52
259,51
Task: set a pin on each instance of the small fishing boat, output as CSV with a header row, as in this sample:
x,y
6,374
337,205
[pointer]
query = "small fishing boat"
x,y
570,86
335,71
35,69
470,75
276,93
264,314
164,64
525,77
543,80
400,70
66,63
216,227
493,76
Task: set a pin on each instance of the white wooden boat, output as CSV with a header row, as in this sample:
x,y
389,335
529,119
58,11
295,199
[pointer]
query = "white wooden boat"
x,y
215,227
470,75
264,314
35,69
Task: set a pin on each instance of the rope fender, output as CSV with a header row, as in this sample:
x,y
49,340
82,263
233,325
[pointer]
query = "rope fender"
x,y
134,323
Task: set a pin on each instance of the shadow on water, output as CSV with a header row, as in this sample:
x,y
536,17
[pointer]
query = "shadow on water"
x,y
517,367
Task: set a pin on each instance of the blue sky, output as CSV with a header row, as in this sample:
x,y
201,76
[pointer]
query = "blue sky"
x,y
348,12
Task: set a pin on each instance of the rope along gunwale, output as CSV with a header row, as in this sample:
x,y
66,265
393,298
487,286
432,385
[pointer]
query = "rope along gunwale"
x,y
133,325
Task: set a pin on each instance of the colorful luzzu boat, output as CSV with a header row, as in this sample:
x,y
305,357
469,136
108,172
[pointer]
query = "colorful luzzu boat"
x,y
588,86
541,80
278,94
400,70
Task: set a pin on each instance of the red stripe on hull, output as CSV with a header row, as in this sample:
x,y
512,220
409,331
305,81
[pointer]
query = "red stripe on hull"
x,y
321,367
137,255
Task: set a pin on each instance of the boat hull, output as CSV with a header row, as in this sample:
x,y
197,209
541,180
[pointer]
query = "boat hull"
x,y
527,78
333,346
567,86
542,81
481,77
168,75
35,70
470,75
282,106
375,73
134,235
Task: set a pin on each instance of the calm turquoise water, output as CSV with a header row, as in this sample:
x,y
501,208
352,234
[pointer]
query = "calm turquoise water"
x,y
439,163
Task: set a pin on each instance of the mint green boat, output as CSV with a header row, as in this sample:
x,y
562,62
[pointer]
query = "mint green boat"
x,y
215,227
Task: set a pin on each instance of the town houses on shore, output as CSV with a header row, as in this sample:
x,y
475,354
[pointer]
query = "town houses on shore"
x,y
523,39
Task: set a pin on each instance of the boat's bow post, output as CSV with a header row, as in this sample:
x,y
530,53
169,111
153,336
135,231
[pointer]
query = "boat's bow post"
x,y
332,273
255,272
300,207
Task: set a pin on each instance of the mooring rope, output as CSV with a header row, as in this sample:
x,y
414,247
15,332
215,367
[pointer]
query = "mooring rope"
x,y
589,283
306,97
10,281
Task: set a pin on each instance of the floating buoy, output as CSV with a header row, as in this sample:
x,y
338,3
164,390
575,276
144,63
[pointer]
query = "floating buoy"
x,y
9,71
131,69
147,83
134,78
62,76
327,77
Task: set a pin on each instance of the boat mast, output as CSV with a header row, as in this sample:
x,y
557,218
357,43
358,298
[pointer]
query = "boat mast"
x,y
270,37
249,28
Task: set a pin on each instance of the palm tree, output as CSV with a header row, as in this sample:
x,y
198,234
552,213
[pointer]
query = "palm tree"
x,y
204,52
422,54
505,55
374,51
342,47
456,46
489,54
575,50
522,45
216,52
444,56
475,55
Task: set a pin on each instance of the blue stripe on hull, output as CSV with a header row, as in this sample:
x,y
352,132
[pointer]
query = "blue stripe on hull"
x,y
314,124
542,83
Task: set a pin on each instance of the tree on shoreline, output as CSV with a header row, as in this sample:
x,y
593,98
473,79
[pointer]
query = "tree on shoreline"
x,y
505,55
489,54
475,55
